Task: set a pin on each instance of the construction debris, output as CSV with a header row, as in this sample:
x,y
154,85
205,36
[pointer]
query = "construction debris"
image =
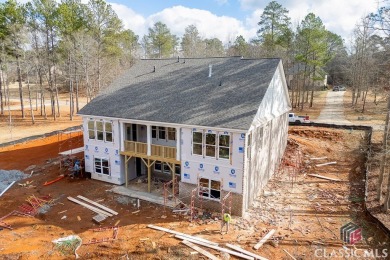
x,y
7,188
289,254
115,230
264,239
187,237
239,249
98,205
55,180
68,245
99,218
323,164
319,158
94,209
231,252
200,250
323,177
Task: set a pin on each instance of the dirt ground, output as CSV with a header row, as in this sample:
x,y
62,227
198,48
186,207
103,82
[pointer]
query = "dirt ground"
x,y
307,212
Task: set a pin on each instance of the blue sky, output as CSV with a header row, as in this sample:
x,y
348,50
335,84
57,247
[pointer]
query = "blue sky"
x,y
226,19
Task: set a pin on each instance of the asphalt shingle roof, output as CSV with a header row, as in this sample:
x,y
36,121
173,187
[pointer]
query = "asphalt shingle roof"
x,y
181,91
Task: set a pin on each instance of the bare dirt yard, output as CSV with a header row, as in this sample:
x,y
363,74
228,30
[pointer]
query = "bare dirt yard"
x,y
306,212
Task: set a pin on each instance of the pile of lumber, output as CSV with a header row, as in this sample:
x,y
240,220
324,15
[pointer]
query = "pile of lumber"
x,y
193,242
102,211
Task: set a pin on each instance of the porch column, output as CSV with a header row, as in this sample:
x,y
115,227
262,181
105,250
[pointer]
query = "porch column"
x,y
122,136
126,172
149,175
178,143
149,140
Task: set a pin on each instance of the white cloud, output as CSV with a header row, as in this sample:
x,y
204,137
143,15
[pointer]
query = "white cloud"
x,y
131,20
338,16
209,25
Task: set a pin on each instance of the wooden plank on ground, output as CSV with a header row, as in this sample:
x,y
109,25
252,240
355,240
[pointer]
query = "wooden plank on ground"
x,y
323,177
9,186
318,158
182,234
239,249
289,254
323,164
200,250
231,252
264,239
98,205
96,210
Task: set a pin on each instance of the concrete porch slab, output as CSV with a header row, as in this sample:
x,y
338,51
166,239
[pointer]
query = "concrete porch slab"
x,y
146,196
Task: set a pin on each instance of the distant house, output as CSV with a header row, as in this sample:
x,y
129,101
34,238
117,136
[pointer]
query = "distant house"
x,y
217,124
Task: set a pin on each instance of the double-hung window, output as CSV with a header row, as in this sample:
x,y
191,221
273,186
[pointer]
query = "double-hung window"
x,y
108,131
91,129
197,143
102,166
224,146
100,130
210,189
210,144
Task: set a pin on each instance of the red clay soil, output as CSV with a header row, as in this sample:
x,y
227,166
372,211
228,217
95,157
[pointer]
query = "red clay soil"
x,y
31,238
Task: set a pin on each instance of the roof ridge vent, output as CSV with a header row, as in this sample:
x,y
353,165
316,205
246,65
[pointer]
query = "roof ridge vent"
x,y
210,70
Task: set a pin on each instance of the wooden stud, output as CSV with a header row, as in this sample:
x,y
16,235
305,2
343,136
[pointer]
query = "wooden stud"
x,y
239,249
200,250
149,176
231,252
98,205
264,239
323,177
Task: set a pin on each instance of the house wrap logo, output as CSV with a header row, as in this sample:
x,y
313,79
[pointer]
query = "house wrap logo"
x,y
350,233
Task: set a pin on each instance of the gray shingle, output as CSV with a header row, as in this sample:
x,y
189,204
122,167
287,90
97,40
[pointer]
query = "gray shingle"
x,y
181,92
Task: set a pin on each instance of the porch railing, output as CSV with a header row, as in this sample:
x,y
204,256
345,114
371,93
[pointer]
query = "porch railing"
x,y
156,150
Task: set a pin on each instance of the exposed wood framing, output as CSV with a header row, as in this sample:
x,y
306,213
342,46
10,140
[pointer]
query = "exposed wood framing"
x,y
127,159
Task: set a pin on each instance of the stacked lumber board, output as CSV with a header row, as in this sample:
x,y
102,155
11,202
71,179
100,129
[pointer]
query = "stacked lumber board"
x,y
102,211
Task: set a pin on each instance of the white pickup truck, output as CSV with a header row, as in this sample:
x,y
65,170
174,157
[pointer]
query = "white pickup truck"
x,y
298,119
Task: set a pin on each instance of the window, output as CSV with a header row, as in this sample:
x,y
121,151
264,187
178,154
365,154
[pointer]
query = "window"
x,y
158,166
161,133
108,131
102,166
197,141
91,129
210,189
171,133
154,131
99,130
224,146
210,145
